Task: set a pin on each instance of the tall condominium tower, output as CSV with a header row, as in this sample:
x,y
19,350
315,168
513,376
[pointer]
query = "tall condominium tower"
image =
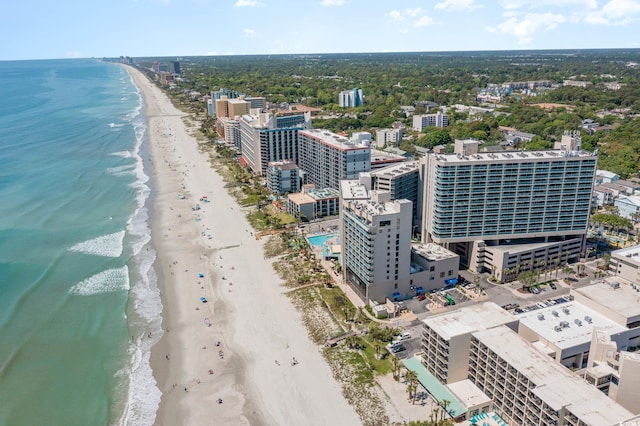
x,y
328,158
505,210
266,138
350,98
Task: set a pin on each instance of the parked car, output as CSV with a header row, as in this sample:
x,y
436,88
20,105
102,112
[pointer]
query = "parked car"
x,y
553,286
398,348
404,336
421,297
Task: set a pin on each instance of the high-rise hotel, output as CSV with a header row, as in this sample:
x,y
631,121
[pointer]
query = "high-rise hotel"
x,y
509,211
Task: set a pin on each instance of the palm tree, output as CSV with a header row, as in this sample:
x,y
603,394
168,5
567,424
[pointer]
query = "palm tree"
x,y
435,413
377,347
411,378
445,404
580,267
476,283
396,365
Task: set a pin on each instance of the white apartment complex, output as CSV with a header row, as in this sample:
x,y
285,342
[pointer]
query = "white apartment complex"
x,y
266,138
379,260
328,158
389,137
350,98
420,122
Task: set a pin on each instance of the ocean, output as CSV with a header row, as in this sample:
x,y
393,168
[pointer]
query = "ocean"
x,y
79,305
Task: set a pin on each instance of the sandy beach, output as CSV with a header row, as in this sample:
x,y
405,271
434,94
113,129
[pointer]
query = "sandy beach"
x,y
258,330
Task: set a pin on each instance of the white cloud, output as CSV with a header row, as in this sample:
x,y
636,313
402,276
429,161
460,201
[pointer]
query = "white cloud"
x,y
528,4
248,32
246,3
454,5
418,15
395,15
418,11
333,2
423,21
525,28
615,12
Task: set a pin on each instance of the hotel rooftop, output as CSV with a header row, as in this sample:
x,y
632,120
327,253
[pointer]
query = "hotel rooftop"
x,y
621,299
432,251
396,170
469,319
568,324
353,190
314,195
554,384
631,254
332,139
510,156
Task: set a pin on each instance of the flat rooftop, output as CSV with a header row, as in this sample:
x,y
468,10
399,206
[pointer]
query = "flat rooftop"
x,y
432,251
623,300
378,156
468,394
301,198
469,319
329,138
554,384
578,320
395,169
352,189
511,156
630,255
324,193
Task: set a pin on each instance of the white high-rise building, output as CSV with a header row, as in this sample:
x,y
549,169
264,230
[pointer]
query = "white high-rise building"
x,y
328,158
420,122
389,137
266,138
350,98
379,260
507,209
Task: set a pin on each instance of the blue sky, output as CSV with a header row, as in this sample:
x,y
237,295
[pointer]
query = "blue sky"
x,y
38,29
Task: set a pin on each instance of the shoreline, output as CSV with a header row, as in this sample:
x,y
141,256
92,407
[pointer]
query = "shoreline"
x,y
248,313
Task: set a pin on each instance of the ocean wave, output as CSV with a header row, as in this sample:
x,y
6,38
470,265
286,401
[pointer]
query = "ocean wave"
x,y
126,170
107,281
143,396
123,154
110,245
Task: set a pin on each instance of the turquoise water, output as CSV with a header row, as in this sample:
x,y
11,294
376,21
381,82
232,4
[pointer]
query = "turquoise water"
x,y
320,240
77,288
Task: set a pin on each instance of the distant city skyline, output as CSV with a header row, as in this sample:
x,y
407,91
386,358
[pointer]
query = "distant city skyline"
x,y
38,29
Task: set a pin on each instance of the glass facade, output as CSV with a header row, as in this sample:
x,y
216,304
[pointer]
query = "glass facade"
x,y
476,200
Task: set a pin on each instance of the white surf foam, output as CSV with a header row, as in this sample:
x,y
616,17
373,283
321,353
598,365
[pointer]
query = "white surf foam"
x,y
123,154
103,282
126,170
143,396
109,245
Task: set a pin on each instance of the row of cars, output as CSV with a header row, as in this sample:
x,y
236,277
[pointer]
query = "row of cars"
x,y
396,346
543,304
536,290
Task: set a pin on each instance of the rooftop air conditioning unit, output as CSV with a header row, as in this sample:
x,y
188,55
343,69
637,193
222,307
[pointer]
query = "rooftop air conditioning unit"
x,y
555,313
541,317
557,328
588,319
578,322
565,310
564,324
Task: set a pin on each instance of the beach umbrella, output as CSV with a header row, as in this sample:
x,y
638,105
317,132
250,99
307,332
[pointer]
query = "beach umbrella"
x,y
200,275
203,299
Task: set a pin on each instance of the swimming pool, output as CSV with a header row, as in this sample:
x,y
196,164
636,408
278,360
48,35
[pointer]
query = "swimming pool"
x,y
320,239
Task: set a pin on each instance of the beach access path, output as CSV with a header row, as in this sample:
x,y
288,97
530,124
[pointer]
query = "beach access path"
x,y
258,329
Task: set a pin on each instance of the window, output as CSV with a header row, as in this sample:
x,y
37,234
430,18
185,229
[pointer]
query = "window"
x,y
442,274
432,268
449,273
395,286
